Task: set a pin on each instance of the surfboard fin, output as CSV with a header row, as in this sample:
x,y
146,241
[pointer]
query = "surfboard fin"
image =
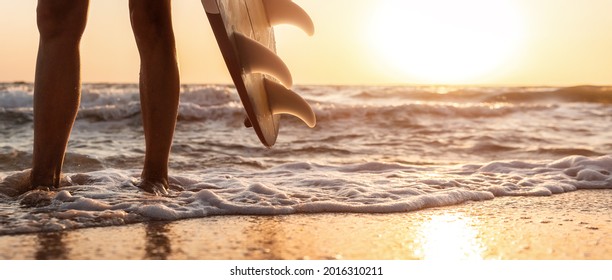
x,y
285,101
257,58
287,12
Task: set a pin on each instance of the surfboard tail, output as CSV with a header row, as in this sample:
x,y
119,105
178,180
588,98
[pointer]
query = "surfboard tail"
x,y
285,101
287,12
244,33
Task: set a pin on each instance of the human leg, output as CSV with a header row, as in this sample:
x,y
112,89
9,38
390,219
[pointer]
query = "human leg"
x,y
57,85
159,87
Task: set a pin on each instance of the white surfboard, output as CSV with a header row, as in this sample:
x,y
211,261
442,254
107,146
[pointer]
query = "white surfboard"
x,y
245,35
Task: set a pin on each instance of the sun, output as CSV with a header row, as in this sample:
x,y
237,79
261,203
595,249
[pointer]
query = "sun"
x,y
445,41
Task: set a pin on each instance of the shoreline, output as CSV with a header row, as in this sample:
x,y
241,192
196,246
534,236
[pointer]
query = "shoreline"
x,y
569,226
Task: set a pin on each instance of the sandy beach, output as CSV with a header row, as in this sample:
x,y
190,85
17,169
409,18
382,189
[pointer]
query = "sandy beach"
x,y
576,225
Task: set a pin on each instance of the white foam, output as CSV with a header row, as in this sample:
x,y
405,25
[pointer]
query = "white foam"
x,y
64,196
159,212
86,204
308,188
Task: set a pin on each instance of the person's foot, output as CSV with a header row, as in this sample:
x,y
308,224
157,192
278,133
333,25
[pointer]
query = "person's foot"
x,y
156,187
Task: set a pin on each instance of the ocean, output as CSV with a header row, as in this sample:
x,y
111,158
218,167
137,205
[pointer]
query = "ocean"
x,y
375,149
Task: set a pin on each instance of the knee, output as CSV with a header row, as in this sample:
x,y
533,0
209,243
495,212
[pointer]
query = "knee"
x,y
61,19
151,21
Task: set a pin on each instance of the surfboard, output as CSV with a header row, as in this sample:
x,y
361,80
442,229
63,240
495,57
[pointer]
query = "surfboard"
x,y
245,35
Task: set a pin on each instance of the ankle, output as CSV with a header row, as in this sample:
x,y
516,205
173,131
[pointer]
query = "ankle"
x,y
44,181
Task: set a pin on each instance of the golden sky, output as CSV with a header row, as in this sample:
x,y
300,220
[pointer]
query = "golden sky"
x,y
488,42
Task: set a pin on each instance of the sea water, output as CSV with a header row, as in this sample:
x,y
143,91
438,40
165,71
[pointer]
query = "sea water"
x,y
374,150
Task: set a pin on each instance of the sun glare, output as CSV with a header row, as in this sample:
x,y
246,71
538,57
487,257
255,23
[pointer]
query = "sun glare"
x,y
445,41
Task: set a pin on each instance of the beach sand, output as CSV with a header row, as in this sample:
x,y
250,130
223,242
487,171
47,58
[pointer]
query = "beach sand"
x,y
576,225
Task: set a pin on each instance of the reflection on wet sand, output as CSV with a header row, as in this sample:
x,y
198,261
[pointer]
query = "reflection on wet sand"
x,y
158,245
254,237
450,236
51,246
267,236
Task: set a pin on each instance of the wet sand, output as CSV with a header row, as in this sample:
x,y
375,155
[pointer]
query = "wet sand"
x,y
576,225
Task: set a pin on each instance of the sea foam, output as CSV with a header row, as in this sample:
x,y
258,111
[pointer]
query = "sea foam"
x,y
111,198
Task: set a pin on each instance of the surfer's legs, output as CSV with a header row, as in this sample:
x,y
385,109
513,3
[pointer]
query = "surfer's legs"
x,y
159,87
57,85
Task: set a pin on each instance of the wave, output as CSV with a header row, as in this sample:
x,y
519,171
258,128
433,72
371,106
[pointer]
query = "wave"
x,y
112,102
576,94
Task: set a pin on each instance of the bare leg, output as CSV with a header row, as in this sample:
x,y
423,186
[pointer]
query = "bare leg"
x,y
57,85
159,87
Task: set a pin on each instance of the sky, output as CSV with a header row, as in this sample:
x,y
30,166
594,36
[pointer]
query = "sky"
x,y
358,42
